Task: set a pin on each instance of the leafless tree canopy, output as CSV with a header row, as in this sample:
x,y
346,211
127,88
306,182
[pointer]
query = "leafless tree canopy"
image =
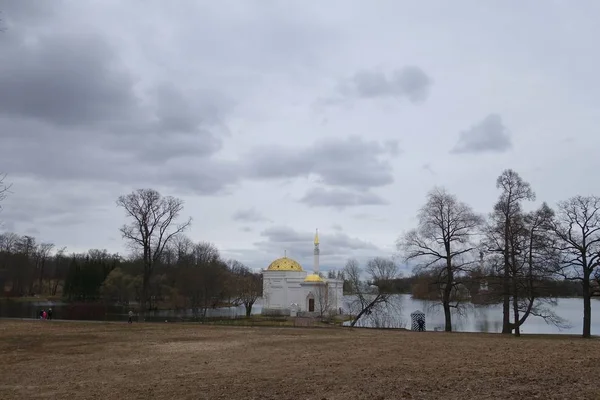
x,y
322,299
514,190
245,285
577,228
375,290
153,226
443,244
522,245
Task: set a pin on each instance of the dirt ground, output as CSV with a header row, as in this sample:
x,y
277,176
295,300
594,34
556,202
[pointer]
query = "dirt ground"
x,y
77,360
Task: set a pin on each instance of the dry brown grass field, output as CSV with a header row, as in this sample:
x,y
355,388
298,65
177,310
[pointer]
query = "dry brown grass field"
x,y
78,360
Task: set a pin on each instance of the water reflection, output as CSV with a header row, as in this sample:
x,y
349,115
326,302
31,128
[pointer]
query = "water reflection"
x,y
473,318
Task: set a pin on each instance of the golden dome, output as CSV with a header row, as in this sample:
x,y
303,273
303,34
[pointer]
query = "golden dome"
x,y
285,264
313,278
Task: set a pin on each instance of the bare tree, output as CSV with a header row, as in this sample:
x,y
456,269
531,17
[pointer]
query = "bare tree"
x,y
182,248
118,286
322,298
443,242
521,246
577,228
247,286
42,254
8,241
205,253
201,278
534,260
151,230
500,238
59,269
375,291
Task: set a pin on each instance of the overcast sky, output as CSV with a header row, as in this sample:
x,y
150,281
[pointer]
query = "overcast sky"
x,y
274,118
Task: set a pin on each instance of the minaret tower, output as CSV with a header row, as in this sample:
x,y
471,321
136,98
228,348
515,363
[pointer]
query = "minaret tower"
x,y
316,254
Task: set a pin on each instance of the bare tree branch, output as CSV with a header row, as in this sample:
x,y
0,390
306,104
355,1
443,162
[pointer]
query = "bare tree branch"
x,y
375,291
4,188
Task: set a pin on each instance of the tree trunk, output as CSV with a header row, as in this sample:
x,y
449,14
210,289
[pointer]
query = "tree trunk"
x,y
506,328
516,325
41,278
448,316
364,310
55,287
144,297
587,307
447,293
248,306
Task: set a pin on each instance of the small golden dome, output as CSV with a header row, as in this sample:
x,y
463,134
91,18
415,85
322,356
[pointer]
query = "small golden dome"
x,y
285,264
313,278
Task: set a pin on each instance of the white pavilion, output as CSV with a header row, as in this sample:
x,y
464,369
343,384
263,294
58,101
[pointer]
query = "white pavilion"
x,y
288,289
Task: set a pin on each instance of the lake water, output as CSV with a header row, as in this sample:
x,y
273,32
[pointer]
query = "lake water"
x,y
472,319
486,318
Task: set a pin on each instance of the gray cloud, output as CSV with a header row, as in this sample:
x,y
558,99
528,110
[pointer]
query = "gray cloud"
x,y
427,167
335,243
7,226
14,13
69,103
66,208
489,135
336,248
177,112
49,159
409,82
349,162
249,215
66,80
340,198
367,217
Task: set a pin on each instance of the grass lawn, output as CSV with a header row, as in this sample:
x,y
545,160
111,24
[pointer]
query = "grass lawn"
x,y
92,360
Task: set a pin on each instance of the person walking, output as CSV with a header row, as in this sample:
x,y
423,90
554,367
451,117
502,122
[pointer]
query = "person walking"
x,y
44,314
130,320
50,313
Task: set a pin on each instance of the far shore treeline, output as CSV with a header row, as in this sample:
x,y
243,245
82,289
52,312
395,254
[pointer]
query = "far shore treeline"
x,y
521,259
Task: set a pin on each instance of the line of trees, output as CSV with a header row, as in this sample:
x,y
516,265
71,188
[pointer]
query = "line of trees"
x,y
188,276
521,259
165,267
518,255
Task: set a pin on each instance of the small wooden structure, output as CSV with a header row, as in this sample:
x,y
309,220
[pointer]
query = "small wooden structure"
x,y
418,321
